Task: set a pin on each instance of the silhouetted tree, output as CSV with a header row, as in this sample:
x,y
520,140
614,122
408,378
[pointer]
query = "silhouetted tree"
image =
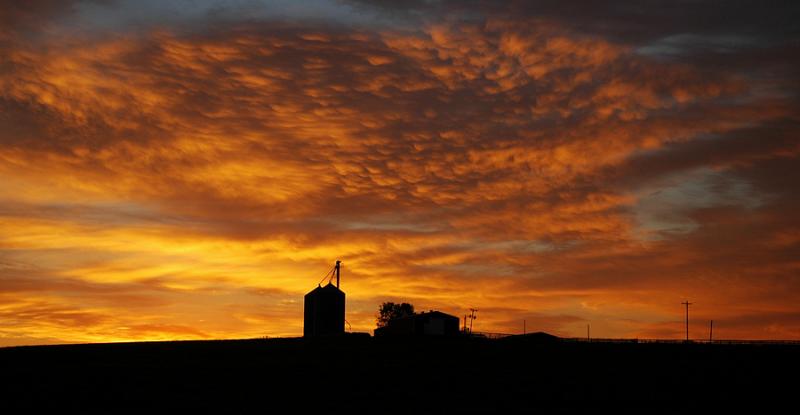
x,y
389,311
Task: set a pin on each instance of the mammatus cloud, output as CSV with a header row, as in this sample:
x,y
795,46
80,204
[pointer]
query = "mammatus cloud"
x,y
196,182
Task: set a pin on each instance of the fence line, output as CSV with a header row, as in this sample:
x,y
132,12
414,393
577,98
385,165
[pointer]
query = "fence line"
x,y
676,341
490,335
495,336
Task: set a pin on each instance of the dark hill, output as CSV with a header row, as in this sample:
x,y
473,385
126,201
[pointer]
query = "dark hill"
x,y
538,337
514,375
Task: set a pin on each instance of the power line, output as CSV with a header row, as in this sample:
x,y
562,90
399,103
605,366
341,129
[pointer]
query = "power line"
x,y
330,274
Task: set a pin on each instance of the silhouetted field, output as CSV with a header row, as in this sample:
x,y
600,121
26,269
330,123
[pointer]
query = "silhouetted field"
x,y
357,374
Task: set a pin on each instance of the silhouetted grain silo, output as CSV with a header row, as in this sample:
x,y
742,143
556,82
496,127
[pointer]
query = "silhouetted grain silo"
x,y
324,309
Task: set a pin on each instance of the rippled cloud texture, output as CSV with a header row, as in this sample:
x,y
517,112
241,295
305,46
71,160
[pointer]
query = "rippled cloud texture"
x,y
191,170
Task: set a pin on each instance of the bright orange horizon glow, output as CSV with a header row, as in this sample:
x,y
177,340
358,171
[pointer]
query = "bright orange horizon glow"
x,y
177,182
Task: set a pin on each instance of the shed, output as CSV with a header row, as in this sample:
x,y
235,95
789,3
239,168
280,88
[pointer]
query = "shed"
x,y
432,323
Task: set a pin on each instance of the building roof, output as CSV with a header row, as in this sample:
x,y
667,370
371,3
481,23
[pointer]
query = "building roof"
x,y
434,313
330,288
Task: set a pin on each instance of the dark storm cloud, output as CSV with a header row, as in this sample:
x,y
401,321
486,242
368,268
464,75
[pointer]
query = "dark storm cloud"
x,y
633,22
738,148
30,15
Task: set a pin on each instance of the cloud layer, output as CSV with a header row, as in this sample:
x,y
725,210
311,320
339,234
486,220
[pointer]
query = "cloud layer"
x,y
194,179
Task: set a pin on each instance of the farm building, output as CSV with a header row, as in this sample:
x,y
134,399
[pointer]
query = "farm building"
x,y
323,309
432,323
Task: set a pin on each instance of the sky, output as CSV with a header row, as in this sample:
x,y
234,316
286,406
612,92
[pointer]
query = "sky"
x,y
190,169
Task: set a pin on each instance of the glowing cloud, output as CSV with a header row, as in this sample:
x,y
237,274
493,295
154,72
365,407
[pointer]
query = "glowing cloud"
x,y
188,180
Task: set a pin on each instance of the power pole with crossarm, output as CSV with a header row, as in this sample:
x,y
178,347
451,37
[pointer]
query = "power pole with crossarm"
x,y
687,304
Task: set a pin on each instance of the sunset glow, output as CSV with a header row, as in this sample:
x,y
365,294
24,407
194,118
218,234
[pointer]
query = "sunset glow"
x,y
191,171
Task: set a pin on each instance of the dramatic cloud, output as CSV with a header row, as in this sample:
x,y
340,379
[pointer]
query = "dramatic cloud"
x,y
193,177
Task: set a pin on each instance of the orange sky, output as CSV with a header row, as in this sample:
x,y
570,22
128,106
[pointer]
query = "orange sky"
x,y
193,177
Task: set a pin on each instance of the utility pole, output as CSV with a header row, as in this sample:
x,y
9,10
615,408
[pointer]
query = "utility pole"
x,y
472,317
524,327
687,304
588,334
711,332
465,323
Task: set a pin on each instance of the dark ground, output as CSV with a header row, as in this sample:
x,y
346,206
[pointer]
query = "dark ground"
x,y
356,374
